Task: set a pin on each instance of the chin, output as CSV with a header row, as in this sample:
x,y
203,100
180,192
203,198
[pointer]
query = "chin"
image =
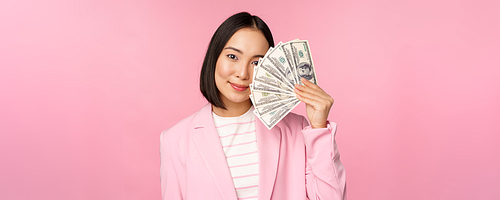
x,y
239,100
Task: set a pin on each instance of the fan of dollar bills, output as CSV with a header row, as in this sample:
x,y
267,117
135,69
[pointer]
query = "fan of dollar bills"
x,y
275,77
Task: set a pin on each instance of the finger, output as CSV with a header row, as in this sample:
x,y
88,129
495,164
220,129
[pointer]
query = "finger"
x,y
310,88
310,101
312,95
322,97
317,92
317,104
313,91
308,83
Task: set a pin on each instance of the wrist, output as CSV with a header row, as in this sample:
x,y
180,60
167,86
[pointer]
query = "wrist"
x,y
314,126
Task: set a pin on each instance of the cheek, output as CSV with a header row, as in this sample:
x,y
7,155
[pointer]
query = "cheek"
x,y
223,69
250,72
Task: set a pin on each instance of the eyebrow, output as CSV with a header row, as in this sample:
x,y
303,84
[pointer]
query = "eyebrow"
x,y
239,51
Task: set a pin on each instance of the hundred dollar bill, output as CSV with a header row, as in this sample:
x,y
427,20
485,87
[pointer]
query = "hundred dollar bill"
x,y
280,61
273,106
302,58
260,59
263,98
268,65
287,50
261,75
251,94
262,87
272,118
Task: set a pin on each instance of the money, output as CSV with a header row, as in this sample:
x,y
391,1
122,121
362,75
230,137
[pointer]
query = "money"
x,y
287,49
262,76
274,79
269,67
278,59
289,73
270,119
302,59
263,98
262,87
264,109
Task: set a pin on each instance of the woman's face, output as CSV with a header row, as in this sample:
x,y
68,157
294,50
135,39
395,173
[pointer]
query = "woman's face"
x,y
234,67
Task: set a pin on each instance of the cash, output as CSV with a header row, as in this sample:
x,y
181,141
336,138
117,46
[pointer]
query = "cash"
x,y
274,80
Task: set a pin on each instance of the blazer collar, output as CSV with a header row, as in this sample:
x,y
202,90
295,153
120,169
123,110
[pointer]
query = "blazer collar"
x,y
204,117
268,144
208,144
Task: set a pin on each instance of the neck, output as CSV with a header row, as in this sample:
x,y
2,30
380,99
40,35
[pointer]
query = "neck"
x,y
233,109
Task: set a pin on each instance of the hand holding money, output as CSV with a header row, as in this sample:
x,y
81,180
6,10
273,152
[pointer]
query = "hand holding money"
x,y
275,78
318,103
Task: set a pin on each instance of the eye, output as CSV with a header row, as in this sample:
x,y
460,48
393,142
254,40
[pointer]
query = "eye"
x,y
232,56
255,62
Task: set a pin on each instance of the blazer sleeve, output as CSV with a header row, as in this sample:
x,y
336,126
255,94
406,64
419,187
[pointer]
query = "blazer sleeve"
x,y
169,177
325,174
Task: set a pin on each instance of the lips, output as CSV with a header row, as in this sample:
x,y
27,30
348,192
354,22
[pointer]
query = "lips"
x,y
239,87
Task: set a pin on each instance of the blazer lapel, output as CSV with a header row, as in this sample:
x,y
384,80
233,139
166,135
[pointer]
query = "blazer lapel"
x,y
209,147
268,144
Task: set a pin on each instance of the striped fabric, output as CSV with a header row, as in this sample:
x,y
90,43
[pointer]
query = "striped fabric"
x,y
237,136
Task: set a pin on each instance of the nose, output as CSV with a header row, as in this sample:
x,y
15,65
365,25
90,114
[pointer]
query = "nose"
x,y
244,71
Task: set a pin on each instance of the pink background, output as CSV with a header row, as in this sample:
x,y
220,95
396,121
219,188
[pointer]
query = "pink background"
x,y
87,86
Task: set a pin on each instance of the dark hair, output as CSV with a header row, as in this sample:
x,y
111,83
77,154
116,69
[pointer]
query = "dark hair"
x,y
219,39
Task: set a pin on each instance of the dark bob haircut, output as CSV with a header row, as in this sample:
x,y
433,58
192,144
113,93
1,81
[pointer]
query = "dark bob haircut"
x,y
219,39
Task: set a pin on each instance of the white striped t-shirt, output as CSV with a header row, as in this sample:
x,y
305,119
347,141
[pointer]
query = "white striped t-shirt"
x,y
237,136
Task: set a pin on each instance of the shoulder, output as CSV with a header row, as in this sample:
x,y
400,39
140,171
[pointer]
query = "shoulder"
x,y
182,125
180,130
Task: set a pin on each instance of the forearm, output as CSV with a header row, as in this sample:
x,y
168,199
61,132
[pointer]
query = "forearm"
x,y
325,174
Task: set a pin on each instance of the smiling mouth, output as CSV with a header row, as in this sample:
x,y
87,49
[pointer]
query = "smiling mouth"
x,y
239,87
